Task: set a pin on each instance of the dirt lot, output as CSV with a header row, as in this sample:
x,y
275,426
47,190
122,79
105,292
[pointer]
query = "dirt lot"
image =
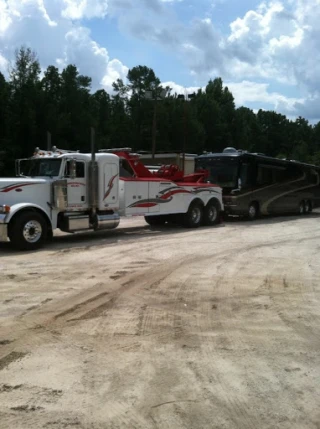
x,y
171,328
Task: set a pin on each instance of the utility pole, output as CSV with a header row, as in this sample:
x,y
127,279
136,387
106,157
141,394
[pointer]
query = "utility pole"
x,y
48,141
185,98
155,96
154,129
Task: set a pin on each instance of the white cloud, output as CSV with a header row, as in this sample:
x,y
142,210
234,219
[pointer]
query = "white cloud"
x,y
5,19
281,41
3,64
278,41
115,70
251,92
179,89
78,9
47,27
247,92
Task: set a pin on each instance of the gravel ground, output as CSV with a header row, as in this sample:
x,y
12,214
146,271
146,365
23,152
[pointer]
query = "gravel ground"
x,y
164,328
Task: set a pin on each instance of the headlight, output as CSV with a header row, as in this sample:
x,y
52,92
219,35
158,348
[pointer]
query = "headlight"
x,y
4,209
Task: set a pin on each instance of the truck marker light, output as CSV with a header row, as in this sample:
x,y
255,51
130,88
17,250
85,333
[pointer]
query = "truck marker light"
x,y
5,209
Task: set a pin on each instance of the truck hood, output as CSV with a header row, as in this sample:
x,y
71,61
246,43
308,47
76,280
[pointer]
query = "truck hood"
x,y
24,190
17,183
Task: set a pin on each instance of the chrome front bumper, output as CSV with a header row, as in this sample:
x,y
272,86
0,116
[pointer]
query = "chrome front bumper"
x,y
3,229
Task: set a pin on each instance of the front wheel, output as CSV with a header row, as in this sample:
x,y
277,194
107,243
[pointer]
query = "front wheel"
x,y
211,215
253,211
28,231
193,217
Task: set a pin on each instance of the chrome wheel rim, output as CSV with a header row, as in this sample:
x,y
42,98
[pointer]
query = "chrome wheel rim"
x,y
32,231
196,215
252,211
212,214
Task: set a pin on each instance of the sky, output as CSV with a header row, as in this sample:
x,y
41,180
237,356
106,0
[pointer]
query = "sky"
x,y
267,53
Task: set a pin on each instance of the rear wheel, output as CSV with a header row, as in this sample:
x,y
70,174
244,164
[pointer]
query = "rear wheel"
x,y
193,217
155,220
211,215
253,211
28,231
308,207
302,207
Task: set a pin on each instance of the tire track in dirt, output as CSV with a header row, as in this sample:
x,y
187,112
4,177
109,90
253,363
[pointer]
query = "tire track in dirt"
x,y
139,298
83,303
223,309
231,327
147,284
151,315
214,317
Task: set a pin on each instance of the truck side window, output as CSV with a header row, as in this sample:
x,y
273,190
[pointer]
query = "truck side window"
x,y
125,169
80,170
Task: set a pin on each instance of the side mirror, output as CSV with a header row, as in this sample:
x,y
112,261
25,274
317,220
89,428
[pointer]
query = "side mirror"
x,y
73,169
18,172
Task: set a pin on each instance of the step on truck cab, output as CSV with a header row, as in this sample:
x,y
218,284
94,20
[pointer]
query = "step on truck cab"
x,y
74,191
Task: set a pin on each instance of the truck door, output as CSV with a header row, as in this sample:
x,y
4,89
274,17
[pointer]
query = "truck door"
x,y
77,186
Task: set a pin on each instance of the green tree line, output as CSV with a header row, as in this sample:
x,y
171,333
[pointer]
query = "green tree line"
x,y
62,102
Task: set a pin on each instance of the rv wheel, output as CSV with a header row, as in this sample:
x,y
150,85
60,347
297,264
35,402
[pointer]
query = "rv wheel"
x,y
253,211
302,208
308,207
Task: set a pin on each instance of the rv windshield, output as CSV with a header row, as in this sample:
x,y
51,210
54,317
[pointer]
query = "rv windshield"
x,y
222,171
39,167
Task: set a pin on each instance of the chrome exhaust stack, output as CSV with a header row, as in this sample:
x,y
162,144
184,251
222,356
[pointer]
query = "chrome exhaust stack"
x,y
93,179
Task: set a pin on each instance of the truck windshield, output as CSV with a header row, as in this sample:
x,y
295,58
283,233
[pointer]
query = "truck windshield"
x,y
40,167
222,171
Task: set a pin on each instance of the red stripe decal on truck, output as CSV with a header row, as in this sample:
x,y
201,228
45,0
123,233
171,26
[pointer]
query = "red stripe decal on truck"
x,y
13,187
110,186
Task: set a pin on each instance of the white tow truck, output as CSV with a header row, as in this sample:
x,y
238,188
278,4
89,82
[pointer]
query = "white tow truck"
x,y
76,191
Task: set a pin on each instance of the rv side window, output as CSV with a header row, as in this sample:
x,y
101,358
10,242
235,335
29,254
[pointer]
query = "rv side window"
x,y
313,177
279,174
264,176
293,172
246,171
